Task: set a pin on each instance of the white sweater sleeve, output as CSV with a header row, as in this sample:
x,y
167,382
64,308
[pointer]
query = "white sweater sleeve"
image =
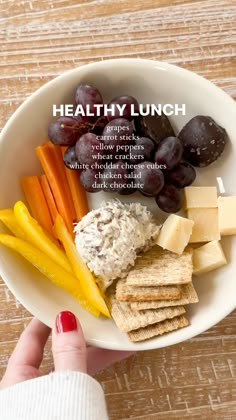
x,y
60,396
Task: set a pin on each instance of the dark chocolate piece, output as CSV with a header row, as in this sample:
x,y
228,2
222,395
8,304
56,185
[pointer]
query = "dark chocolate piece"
x,y
203,140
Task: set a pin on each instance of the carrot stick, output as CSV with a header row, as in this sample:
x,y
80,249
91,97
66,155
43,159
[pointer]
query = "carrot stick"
x,y
78,193
37,202
49,196
53,167
62,167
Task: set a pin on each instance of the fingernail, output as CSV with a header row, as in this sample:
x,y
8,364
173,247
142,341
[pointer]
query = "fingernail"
x,y
65,322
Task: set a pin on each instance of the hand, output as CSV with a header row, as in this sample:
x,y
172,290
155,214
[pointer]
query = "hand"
x,y
68,350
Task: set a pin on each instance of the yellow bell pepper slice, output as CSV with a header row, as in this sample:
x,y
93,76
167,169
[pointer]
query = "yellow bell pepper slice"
x,y
38,237
8,218
49,268
81,271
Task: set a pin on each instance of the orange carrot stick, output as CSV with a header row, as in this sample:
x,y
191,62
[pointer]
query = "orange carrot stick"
x,y
54,170
37,202
49,196
62,167
78,193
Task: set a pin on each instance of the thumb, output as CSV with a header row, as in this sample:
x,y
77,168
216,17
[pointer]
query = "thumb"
x,y
68,344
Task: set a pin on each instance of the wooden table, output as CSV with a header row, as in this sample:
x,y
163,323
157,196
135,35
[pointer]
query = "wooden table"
x,y
42,38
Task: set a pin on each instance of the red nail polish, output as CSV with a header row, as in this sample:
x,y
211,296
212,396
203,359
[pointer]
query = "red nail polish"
x,y
65,322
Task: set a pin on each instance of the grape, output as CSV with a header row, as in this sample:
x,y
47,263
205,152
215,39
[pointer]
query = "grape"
x,y
117,133
123,100
99,125
170,199
143,148
65,131
156,127
127,190
182,175
88,180
70,158
151,178
169,152
88,149
88,95
115,175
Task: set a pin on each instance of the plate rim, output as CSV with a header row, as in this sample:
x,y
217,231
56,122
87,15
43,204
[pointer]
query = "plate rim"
x,y
163,66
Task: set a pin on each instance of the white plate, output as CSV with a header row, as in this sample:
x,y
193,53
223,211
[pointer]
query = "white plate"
x,y
150,82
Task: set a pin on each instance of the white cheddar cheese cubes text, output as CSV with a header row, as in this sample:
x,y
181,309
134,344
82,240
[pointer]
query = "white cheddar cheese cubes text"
x,y
227,215
175,233
206,226
208,257
200,197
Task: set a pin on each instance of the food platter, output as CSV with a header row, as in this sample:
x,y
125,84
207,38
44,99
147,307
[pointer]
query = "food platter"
x,y
149,81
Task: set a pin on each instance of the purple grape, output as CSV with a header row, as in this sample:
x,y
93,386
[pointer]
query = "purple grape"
x,y
127,112
117,133
116,175
155,127
89,180
65,131
143,150
150,178
128,190
169,152
181,176
88,149
99,125
88,95
70,158
170,199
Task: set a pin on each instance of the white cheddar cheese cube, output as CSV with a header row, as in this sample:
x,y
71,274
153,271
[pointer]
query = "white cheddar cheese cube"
x,y
175,233
208,257
227,215
206,226
200,197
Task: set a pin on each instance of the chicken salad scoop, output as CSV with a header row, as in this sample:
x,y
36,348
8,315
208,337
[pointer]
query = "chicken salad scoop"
x,y
110,238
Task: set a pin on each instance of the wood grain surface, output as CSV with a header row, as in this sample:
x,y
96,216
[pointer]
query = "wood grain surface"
x,y
39,39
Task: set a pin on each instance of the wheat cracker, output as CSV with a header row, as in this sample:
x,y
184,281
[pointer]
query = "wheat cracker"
x,y
188,295
126,319
124,292
159,267
158,329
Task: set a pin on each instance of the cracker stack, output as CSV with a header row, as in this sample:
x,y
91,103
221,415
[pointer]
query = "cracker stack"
x,y
149,302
